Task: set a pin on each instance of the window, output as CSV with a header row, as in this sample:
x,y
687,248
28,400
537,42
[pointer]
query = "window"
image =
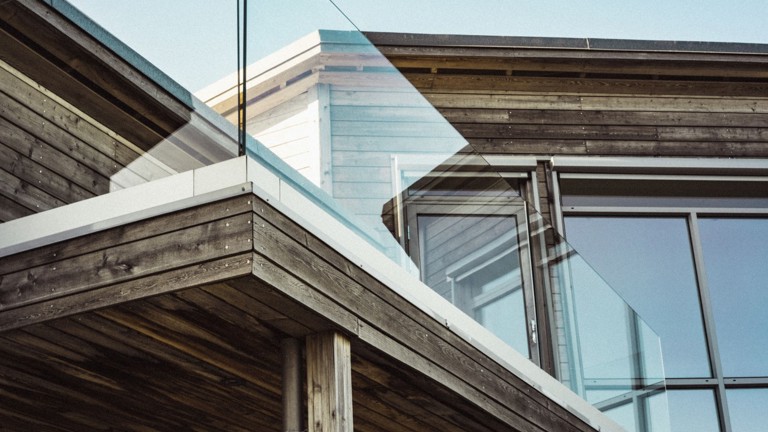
x,y
468,236
688,253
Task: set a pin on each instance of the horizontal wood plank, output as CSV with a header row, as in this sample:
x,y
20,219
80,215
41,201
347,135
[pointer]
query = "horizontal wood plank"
x,y
611,118
126,234
431,82
29,171
170,281
125,262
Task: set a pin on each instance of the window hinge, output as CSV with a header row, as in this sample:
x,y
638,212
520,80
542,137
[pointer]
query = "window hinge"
x,y
534,337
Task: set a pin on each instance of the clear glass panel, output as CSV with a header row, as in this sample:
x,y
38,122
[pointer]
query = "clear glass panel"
x,y
149,40
340,126
649,262
746,408
606,352
735,252
403,178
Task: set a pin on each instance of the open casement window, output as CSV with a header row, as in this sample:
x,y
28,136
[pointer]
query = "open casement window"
x,y
469,239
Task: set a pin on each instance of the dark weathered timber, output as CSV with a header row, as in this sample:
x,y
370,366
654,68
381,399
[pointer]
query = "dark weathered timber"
x,y
103,85
26,194
31,122
275,282
627,148
162,283
608,118
126,234
125,262
29,171
50,114
84,390
390,391
438,401
278,319
141,370
217,343
584,85
48,68
581,47
597,102
67,166
117,337
54,113
10,210
608,132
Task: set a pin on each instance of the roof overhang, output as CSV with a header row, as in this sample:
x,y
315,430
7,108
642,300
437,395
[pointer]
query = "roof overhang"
x,y
237,231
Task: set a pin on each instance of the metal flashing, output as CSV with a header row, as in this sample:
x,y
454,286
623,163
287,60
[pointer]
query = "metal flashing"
x,y
120,207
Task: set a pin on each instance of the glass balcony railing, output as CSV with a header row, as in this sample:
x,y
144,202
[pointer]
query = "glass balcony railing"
x,y
329,114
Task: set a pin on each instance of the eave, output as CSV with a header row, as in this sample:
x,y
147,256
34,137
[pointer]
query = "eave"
x,y
473,63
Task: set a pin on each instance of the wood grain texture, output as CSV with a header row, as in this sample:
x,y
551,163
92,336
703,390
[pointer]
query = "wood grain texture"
x,y
329,383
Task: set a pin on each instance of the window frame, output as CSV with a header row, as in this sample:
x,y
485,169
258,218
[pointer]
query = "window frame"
x,y
472,165
477,206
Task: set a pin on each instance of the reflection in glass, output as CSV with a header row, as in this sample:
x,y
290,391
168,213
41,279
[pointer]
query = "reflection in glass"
x,y
474,262
649,262
747,409
735,252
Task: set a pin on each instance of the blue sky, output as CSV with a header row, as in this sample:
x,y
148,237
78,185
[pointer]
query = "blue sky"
x,y
196,44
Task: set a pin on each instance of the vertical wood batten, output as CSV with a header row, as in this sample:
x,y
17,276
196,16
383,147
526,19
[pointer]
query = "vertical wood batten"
x,y
291,352
329,383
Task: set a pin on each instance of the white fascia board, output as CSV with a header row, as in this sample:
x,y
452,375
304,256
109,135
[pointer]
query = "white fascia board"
x,y
216,91
124,206
659,165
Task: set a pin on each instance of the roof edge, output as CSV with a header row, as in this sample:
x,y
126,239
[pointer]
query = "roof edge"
x,y
479,41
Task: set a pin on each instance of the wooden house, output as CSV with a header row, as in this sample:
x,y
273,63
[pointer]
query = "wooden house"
x,y
151,280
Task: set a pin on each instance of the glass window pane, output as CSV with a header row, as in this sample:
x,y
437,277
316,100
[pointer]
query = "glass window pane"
x,y
624,415
671,411
649,262
692,411
735,257
747,409
474,262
